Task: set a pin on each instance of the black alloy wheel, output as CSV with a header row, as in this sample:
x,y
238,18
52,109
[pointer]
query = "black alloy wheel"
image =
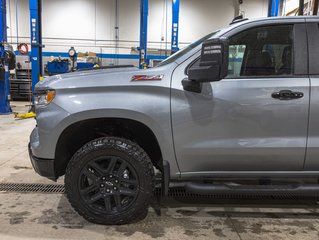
x,y
108,185
110,181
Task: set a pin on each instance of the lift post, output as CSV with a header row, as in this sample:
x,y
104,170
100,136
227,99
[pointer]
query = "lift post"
x,y
301,7
36,41
273,8
4,81
315,9
144,61
175,25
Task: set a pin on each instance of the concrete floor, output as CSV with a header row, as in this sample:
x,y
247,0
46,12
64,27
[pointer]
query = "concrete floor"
x,y
49,216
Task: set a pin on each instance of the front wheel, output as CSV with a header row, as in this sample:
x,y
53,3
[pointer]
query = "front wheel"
x,y
110,181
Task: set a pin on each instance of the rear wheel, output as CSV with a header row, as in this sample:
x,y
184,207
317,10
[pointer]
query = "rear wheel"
x,y
110,181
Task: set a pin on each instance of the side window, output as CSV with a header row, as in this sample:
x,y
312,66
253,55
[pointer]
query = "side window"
x,y
236,57
263,51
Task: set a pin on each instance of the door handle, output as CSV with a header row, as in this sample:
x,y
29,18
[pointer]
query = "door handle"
x,y
287,95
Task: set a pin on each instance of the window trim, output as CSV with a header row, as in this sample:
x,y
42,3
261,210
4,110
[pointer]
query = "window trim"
x,y
300,43
300,50
313,43
191,64
300,46
269,76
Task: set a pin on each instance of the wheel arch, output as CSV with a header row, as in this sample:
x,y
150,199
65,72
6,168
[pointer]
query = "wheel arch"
x,y
146,133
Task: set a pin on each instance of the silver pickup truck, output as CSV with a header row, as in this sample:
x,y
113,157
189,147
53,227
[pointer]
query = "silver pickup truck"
x,y
235,112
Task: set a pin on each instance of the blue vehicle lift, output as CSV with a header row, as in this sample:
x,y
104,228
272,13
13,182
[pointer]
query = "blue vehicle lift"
x,y
273,8
274,5
4,83
36,41
36,36
175,25
144,61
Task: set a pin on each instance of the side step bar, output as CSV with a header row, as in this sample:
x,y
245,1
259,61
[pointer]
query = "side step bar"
x,y
206,189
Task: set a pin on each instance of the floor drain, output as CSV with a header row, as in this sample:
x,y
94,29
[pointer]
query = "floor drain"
x,y
31,188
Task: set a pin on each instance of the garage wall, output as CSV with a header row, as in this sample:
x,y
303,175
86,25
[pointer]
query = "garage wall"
x,y
89,25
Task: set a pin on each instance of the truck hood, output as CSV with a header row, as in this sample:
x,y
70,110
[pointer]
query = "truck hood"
x,y
103,78
98,78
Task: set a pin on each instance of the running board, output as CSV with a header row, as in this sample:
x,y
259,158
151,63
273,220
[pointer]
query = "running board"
x,y
206,189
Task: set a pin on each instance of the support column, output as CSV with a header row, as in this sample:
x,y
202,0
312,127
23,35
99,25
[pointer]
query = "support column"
x,y
36,41
4,79
315,9
273,8
175,25
144,61
301,7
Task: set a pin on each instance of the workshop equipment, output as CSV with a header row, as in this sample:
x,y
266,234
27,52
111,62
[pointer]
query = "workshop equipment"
x,y
20,82
87,60
84,65
57,66
23,48
73,56
24,115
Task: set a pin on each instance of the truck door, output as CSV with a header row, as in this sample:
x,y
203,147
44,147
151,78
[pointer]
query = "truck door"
x,y
312,163
254,120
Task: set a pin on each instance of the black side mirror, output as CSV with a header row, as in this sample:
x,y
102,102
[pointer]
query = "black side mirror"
x,y
213,63
192,86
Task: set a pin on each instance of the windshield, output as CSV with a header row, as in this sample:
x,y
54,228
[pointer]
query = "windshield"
x,y
186,50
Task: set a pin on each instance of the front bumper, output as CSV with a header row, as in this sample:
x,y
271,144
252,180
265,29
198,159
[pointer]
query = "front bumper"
x,y
44,167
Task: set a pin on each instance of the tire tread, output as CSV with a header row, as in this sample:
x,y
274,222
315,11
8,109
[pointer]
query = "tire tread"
x,y
120,144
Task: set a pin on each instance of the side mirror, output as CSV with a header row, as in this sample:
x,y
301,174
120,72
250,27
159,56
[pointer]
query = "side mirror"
x,y
192,86
213,63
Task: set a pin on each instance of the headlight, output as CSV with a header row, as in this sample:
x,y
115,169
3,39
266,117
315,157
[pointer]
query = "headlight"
x,y
44,98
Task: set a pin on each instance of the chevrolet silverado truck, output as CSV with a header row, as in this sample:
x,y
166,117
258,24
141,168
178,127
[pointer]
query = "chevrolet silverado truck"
x,y
235,112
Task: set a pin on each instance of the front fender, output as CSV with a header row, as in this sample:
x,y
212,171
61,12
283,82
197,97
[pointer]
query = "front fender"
x,y
160,127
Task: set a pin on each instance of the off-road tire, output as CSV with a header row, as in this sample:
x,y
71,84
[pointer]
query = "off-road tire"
x,y
136,158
